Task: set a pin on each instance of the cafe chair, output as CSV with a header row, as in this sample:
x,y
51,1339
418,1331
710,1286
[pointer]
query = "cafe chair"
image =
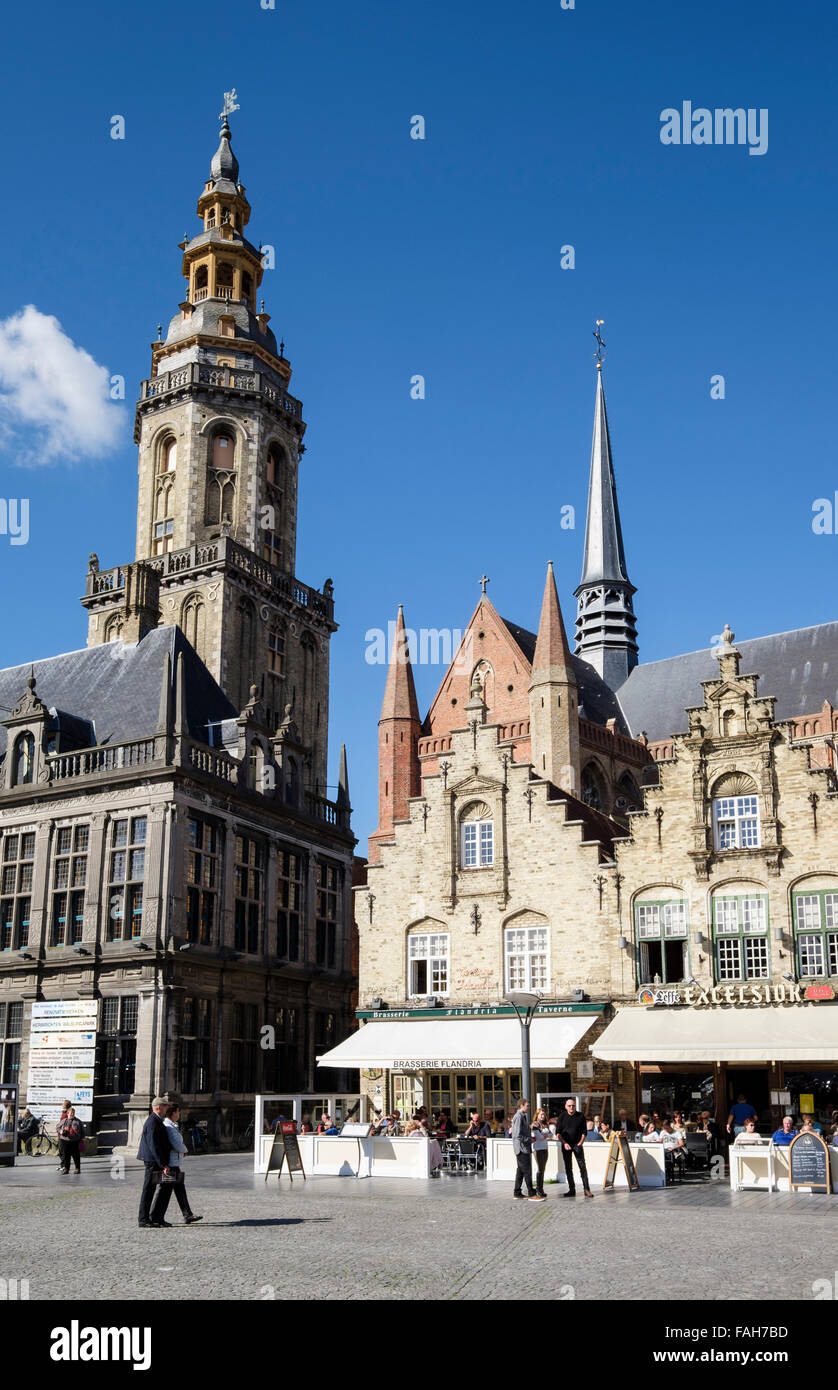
x,y
469,1155
698,1151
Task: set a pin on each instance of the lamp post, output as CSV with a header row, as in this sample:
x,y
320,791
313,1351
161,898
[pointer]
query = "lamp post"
x,y
525,1006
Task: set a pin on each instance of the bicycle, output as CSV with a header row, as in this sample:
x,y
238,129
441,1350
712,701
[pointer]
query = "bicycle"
x,y
195,1134
43,1142
245,1139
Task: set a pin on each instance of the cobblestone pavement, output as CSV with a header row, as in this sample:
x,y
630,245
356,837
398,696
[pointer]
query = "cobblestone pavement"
x,y
457,1238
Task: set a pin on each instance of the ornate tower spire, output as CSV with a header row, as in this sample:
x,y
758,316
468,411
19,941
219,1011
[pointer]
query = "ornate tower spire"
x,y
554,713
606,628
398,734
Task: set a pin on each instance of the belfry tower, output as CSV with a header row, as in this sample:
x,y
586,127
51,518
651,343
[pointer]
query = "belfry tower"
x,y
220,442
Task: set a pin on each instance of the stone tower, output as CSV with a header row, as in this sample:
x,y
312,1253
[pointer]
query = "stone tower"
x,y
606,628
554,699
398,734
220,443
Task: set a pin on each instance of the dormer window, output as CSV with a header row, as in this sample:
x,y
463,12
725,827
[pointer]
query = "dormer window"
x,y
23,760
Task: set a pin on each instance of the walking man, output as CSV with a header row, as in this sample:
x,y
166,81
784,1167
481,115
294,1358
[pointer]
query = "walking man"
x,y
571,1131
154,1151
522,1149
176,1152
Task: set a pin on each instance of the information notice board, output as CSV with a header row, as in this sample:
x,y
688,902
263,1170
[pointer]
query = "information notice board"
x,y
809,1163
285,1149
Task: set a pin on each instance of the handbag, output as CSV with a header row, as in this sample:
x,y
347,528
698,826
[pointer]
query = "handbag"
x,y
173,1176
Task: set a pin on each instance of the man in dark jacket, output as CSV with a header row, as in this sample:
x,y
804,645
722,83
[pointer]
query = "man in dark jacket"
x,y
571,1132
154,1151
27,1128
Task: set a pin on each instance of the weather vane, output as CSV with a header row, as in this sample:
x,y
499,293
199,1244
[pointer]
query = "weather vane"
x,y
230,104
600,345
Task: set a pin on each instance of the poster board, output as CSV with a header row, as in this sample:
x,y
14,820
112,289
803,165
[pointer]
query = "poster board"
x,y
620,1152
356,1129
809,1163
285,1149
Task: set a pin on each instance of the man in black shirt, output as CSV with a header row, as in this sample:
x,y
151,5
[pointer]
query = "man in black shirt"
x,y
571,1131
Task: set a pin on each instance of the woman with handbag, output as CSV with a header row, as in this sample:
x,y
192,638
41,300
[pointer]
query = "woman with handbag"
x,y
178,1149
70,1136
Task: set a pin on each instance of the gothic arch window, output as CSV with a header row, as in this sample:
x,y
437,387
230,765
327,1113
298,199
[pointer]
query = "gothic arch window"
x,y
593,787
477,836
309,653
113,628
274,465
168,455
735,812
162,505
23,760
247,649
628,794
193,623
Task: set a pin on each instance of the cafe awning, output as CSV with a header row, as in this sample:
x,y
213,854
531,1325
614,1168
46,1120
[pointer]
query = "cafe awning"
x,y
481,1044
791,1033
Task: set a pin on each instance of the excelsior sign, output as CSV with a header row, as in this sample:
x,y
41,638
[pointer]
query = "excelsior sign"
x,y
786,993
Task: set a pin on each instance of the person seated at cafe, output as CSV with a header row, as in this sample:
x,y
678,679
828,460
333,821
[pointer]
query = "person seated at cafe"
x,y
592,1135
445,1127
624,1123
710,1130
834,1140
810,1123
642,1121
650,1135
306,1127
477,1128
605,1131
749,1134
672,1138
324,1124
414,1130
489,1119
679,1124
784,1135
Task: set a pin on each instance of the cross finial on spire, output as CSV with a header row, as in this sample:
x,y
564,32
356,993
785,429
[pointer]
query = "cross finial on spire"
x,y
230,105
600,345
483,581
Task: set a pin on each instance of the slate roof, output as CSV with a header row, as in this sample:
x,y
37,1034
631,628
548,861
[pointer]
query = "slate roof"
x,y
799,668
596,702
117,687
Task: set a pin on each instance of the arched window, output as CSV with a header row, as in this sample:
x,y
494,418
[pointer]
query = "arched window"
x,y
477,837
247,285
23,760
163,500
273,466
736,812
224,280
201,282
628,795
593,789
487,682
168,456
193,623
729,723
309,673
113,627
223,452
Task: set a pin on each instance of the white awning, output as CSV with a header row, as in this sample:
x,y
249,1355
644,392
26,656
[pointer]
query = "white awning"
x,y
446,1044
791,1033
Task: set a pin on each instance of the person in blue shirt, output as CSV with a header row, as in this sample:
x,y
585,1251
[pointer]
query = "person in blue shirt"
x,y
812,1123
785,1135
739,1113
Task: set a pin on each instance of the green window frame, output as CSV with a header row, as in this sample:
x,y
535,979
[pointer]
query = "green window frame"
x,y
815,923
741,944
662,940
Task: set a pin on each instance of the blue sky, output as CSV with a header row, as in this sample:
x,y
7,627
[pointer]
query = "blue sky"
x,y
441,257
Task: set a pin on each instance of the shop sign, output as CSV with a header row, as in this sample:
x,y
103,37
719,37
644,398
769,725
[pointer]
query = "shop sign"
x,y
436,1064
475,1011
734,994
820,992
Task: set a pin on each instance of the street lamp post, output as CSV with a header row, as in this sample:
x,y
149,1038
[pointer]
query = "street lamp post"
x,y
525,1006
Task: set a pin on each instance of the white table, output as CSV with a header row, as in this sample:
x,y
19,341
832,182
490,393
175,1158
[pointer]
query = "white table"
x,y
752,1166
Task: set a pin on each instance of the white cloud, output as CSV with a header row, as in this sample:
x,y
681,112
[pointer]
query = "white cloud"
x,y
54,399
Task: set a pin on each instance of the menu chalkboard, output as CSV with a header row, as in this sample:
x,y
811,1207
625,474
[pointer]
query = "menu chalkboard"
x,y
285,1149
809,1163
620,1153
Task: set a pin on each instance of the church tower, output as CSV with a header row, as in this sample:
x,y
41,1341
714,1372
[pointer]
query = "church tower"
x,y
220,440
398,742
606,628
